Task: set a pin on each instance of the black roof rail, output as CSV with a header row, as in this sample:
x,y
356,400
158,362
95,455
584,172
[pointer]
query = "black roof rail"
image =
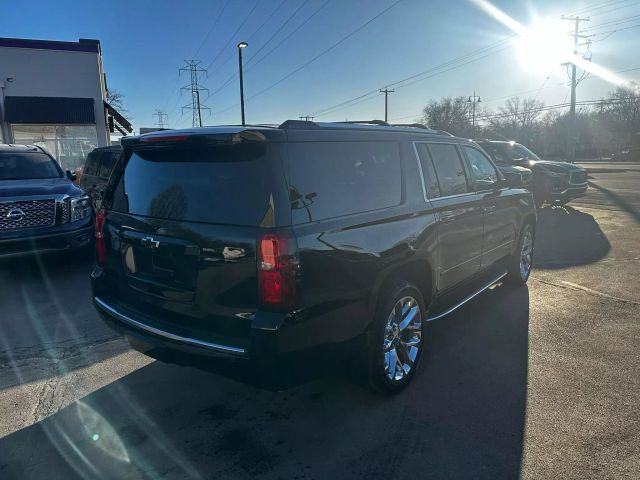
x,y
298,124
368,122
444,132
414,125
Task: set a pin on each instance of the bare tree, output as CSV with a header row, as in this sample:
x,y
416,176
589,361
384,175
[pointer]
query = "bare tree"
x,y
116,100
450,114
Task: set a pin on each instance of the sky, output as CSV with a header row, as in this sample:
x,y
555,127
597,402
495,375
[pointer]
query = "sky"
x,y
305,56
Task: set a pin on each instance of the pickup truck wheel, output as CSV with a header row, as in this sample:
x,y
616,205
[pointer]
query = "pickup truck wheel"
x,y
397,339
520,262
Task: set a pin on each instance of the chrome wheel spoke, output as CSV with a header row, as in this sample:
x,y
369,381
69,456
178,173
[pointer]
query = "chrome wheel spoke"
x,y
408,317
402,338
391,361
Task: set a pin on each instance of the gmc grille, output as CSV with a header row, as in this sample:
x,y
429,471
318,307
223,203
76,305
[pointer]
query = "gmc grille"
x,y
27,214
578,177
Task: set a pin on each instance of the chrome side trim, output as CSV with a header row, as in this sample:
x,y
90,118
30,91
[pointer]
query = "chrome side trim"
x,y
470,297
161,333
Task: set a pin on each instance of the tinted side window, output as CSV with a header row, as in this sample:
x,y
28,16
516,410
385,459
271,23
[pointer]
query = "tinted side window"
x,y
331,179
482,170
107,163
93,164
428,171
449,169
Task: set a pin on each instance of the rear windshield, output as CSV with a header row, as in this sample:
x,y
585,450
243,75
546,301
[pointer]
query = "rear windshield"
x,y
217,184
28,165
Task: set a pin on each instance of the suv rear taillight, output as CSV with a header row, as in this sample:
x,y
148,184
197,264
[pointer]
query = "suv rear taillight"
x,y
277,267
101,252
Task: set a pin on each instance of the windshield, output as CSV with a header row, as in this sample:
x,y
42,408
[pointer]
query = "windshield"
x,y
520,151
508,152
28,165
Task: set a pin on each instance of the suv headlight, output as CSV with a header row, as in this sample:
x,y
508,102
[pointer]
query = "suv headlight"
x,y
80,208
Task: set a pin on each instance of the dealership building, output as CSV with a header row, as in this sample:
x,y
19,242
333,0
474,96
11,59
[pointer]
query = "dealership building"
x,y
54,94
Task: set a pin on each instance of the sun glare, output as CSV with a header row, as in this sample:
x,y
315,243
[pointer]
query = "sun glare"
x,y
543,46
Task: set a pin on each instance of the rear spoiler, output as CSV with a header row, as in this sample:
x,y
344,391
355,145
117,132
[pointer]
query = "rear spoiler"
x,y
224,136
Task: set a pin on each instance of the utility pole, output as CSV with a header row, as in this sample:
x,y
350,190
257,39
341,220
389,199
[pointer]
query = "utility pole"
x,y
161,118
308,118
571,131
386,92
473,99
193,67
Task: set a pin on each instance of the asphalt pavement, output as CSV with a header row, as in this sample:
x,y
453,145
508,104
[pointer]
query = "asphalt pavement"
x,y
536,382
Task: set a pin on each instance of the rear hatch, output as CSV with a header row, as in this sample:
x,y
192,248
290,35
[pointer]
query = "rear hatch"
x,y
184,213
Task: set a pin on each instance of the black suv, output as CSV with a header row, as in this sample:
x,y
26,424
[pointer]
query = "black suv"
x,y
261,243
553,182
41,210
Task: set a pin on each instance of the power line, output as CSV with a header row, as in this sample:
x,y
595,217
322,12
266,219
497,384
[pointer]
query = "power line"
x,y
327,50
247,68
399,83
632,69
213,25
255,5
249,37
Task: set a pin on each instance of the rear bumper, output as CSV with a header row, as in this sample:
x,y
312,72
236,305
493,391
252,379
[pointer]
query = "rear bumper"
x,y
37,244
127,325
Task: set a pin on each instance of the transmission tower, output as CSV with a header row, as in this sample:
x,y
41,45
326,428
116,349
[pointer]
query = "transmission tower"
x,y
193,67
161,118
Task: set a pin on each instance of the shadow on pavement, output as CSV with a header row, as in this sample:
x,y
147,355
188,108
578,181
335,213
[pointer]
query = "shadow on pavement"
x,y
618,200
48,317
567,237
463,417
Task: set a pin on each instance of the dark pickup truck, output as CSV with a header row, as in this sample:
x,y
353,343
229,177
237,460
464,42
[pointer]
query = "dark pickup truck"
x,y
553,182
260,244
41,210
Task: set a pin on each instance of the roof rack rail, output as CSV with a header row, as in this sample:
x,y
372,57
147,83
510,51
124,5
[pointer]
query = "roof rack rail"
x,y
368,122
444,132
414,125
298,124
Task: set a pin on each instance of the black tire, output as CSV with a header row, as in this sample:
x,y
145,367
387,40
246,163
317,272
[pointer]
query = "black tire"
x,y
380,379
516,274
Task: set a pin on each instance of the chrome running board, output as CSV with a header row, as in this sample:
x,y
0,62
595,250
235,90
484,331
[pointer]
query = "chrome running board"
x,y
470,297
161,333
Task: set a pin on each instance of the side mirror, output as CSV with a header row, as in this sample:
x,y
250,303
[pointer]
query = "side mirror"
x,y
71,175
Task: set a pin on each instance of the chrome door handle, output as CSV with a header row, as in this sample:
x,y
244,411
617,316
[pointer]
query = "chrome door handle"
x,y
447,217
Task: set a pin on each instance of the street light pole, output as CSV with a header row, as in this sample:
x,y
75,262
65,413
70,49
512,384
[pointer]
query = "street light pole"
x,y
474,99
241,46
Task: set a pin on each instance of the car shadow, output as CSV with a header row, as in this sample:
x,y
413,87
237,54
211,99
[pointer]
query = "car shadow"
x,y
48,325
567,237
463,417
618,200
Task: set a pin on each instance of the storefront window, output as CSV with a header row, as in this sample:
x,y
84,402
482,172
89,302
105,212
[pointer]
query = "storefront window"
x,y
69,144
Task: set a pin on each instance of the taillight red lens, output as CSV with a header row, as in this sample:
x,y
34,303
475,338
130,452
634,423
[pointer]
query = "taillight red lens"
x,y
101,252
277,271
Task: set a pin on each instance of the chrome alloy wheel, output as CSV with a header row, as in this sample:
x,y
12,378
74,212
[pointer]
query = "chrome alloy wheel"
x,y
402,337
526,253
